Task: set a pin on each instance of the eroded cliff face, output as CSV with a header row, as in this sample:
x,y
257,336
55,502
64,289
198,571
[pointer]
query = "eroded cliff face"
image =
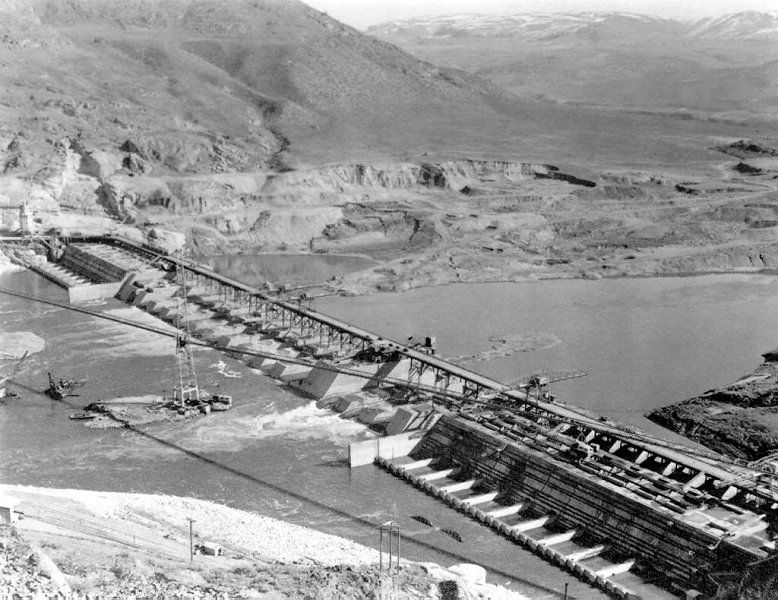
x,y
430,223
450,175
356,205
740,420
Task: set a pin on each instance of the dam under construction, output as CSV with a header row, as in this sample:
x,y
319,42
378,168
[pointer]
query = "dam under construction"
x,y
618,509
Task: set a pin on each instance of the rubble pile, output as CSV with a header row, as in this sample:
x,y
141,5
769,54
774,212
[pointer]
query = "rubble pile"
x,y
20,573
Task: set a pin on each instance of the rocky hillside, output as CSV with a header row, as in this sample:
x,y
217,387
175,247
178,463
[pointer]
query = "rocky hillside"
x,y
185,86
723,67
740,420
265,125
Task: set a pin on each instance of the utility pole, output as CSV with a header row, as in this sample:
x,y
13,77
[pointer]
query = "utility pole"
x,y
191,544
389,531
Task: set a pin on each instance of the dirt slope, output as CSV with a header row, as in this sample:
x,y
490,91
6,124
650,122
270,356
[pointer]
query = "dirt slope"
x,y
111,545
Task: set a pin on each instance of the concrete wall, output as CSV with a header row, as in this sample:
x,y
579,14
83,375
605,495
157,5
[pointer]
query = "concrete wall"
x,y
51,275
322,383
364,453
412,417
91,266
96,291
400,370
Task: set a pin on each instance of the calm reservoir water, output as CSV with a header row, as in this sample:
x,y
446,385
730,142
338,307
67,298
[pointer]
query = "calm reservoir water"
x,y
290,269
644,342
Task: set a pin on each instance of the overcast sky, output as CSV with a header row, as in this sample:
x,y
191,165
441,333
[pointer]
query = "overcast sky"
x,y
363,13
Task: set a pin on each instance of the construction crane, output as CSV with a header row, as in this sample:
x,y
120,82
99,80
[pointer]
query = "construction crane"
x,y
540,382
64,388
16,370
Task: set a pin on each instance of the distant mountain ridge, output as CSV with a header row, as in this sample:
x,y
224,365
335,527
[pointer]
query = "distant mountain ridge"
x,y
742,25
224,86
722,67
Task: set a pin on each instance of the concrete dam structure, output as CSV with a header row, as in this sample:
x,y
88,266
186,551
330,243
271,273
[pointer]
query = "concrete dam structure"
x,y
600,517
621,510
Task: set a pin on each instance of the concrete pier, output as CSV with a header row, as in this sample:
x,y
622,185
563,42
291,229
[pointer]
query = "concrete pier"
x,y
325,382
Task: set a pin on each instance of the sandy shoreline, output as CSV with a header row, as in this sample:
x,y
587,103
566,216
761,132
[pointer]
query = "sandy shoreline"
x,y
85,533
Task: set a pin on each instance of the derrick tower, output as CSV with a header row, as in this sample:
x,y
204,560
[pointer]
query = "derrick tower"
x,y
187,389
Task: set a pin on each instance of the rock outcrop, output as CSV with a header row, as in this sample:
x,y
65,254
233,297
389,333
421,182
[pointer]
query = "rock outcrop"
x,y
740,420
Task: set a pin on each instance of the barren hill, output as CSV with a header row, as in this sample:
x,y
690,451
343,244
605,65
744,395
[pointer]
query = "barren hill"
x,y
264,125
205,85
722,66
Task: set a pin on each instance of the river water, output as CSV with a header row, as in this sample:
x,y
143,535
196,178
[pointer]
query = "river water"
x,y
644,342
289,269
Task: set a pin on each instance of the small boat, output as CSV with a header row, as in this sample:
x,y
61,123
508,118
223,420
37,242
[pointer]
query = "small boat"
x,y
83,415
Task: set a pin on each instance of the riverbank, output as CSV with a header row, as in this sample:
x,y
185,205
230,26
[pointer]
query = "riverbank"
x,y
81,542
404,275
740,420
326,271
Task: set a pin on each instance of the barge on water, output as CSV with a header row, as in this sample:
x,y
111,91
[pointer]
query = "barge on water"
x,y
144,410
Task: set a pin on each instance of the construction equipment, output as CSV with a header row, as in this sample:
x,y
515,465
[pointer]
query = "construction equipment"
x,y
540,382
453,399
59,390
187,396
17,368
764,471
187,390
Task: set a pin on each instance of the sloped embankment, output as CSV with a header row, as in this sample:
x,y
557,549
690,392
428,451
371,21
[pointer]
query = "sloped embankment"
x,y
112,545
740,420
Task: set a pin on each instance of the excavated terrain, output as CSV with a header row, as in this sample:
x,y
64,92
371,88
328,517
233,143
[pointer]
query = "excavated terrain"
x,y
434,222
